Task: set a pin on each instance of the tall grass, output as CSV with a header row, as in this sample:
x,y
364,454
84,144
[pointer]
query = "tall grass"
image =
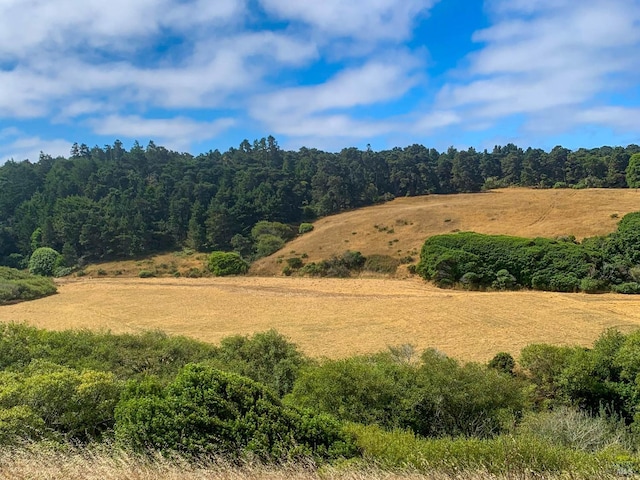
x,y
38,462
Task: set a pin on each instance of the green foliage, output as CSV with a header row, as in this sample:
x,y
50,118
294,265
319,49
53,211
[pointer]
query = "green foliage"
x,y
146,274
268,244
294,262
633,171
275,229
503,362
126,356
507,455
305,228
44,261
339,267
227,263
436,397
76,405
16,286
381,264
501,262
268,358
205,411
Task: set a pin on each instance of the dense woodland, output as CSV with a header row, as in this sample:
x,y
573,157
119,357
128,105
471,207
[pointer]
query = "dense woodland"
x,y
109,202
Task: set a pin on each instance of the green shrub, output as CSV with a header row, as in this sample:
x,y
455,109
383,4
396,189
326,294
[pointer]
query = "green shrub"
x,y
593,285
76,405
227,263
381,264
208,412
44,261
338,267
268,244
627,288
515,457
503,362
146,274
305,228
16,285
294,263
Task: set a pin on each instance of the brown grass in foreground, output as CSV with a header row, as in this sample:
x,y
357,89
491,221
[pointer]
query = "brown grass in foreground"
x,y
28,464
333,317
400,227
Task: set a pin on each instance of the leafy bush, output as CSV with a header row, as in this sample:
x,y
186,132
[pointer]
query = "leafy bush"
x,y
268,358
305,228
76,405
593,285
16,285
44,261
627,288
294,263
436,397
205,411
503,362
227,263
146,274
503,262
339,267
381,264
268,244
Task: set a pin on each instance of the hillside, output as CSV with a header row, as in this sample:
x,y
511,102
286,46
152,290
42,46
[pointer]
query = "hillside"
x,y
398,228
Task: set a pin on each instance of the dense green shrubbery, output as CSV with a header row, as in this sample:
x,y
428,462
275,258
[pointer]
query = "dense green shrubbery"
x,y
268,358
477,262
381,264
340,267
433,398
44,261
16,285
205,411
305,228
501,262
227,263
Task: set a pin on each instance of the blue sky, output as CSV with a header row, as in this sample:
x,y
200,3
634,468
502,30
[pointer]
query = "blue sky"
x,y
195,75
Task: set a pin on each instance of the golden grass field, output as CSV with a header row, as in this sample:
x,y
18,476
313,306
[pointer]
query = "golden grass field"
x,y
342,317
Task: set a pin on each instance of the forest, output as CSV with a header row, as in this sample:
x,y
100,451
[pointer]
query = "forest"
x,y
110,202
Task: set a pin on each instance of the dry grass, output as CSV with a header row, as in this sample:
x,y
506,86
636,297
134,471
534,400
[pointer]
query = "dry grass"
x,y
334,317
40,463
339,318
399,228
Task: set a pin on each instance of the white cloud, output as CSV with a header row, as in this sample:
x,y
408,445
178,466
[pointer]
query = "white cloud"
x,y
323,110
15,145
177,133
549,60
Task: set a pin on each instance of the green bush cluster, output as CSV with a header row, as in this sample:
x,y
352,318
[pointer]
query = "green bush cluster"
x,y
227,263
16,286
434,397
381,264
205,411
44,261
339,267
499,262
305,228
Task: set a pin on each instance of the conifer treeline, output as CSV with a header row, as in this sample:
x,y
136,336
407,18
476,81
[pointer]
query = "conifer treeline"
x,y
110,202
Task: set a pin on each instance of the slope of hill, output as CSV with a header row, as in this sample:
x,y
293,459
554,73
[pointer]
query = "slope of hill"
x,y
398,228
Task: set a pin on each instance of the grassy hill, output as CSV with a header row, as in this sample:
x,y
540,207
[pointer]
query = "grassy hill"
x,y
399,228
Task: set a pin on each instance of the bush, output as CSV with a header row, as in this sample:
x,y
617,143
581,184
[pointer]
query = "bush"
x,y
294,263
208,412
146,274
227,263
338,267
305,228
76,405
593,285
627,288
16,285
503,362
268,244
381,264
44,261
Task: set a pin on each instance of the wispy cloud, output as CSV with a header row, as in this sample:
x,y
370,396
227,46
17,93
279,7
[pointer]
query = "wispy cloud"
x,y
553,61
16,145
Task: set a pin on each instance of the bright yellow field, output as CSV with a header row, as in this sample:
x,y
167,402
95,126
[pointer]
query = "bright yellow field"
x,y
334,317
338,318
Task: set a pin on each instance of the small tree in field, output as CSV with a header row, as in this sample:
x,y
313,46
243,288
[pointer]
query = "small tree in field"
x,y
44,261
227,263
633,171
